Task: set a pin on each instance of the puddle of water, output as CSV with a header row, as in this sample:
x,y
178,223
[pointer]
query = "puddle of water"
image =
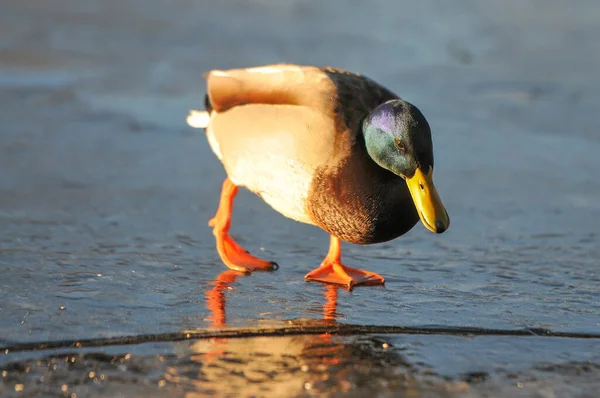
x,y
306,364
388,365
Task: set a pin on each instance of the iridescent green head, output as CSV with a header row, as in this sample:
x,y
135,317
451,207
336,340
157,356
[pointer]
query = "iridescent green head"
x,y
398,138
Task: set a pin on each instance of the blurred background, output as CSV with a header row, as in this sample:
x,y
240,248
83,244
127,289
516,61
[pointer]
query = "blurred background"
x,y
105,192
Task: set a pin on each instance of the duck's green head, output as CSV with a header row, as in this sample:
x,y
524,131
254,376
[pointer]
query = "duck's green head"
x,y
398,138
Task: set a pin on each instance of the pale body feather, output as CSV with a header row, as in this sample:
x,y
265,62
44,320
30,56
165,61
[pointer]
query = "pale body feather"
x,y
266,157
272,127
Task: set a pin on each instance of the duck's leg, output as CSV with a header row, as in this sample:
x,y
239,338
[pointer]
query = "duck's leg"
x,y
232,254
333,271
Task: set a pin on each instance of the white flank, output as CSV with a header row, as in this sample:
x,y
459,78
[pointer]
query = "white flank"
x,y
214,144
198,119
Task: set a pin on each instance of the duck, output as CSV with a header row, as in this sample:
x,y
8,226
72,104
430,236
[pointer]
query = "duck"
x,y
325,147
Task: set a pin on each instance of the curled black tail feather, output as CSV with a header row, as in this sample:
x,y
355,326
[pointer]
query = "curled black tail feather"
x,y
207,104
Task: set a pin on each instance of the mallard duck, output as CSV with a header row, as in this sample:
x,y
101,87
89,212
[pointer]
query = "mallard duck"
x,y
325,147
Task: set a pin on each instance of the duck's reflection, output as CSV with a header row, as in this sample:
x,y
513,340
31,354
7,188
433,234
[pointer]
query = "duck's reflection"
x,y
215,303
330,306
273,366
215,297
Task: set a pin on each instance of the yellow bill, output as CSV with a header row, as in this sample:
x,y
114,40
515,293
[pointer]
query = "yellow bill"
x,y
427,201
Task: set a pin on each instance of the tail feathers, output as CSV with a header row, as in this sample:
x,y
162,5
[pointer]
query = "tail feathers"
x,y
198,119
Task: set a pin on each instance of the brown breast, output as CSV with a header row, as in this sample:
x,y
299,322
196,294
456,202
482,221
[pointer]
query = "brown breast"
x,y
360,202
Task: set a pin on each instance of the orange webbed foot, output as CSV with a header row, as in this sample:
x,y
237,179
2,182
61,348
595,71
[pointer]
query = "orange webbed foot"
x,y
238,258
232,254
333,271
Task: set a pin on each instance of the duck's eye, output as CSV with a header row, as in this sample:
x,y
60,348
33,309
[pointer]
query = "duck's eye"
x,y
399,144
